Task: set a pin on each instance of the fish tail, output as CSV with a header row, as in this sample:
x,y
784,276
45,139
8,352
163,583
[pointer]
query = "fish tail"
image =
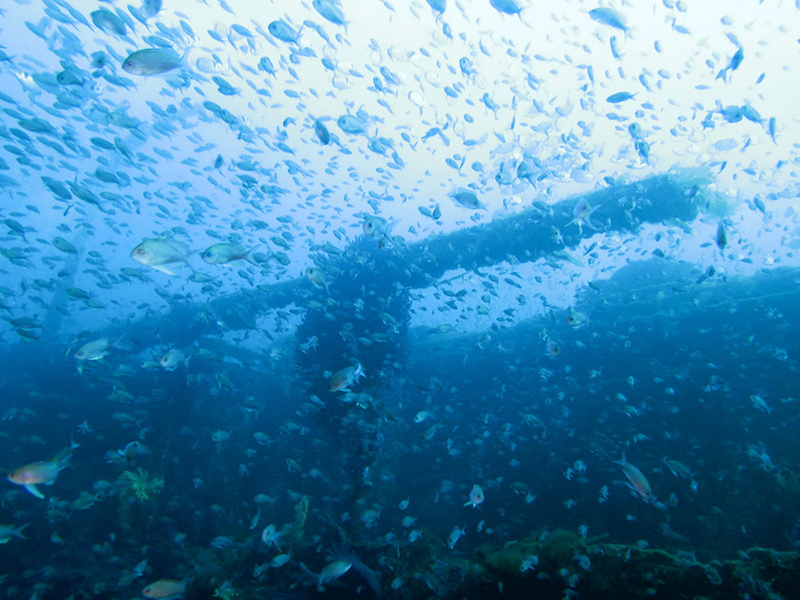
x,y
249,256
64,455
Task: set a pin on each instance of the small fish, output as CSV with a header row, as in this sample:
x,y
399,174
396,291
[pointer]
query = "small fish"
x,y
378,228
317,276
508,7
476,496
552,348
576,319
9,531
225,253
330,10
279,560
151,61
332,571
158,252
165,589
467,199
283,31
733,64
607,16
620,97
581,214
96,349
271,536
678,469
351,124
751,114
637,481
151,7
108,21
322,133
721,238
454,536
421,416
43,472
343,379
172,359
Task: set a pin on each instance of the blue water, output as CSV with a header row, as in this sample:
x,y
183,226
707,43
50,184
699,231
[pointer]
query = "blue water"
x,y
558,242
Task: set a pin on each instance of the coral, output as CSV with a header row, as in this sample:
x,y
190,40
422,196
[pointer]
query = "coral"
x,y
788,480
295,530
300,514
510,558
558,548
226,592
142,485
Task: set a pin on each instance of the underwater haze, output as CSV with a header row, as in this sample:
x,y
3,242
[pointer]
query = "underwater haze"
x,y
428,299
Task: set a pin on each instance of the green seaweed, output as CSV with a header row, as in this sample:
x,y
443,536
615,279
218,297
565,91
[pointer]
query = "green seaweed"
x,y
142,485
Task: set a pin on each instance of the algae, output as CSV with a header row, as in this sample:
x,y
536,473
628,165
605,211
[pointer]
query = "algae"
x,y
142,485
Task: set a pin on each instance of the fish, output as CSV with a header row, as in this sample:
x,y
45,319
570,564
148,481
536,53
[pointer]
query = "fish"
x,y
173,358
151,7
151,61
467,199
476,497
317,276
733,64
96,349
283,31
576,319
351,124
378,228
581,214
331,572
322,133
165,589
620,97
10,531
329,10
225,253
721,237
454,536
270,535
159,252
552,348
42,472
678,469
607,16
108,21
343,379
636,479
508,7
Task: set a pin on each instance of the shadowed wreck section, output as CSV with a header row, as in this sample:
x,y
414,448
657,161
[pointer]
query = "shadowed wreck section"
x,y
538,231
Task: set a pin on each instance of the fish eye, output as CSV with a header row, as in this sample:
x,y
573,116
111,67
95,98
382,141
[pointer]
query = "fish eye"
x,y
140,251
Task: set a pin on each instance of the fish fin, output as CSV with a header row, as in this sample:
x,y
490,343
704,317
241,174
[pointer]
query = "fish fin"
x,y
164,269
115,343
249,256
33,490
